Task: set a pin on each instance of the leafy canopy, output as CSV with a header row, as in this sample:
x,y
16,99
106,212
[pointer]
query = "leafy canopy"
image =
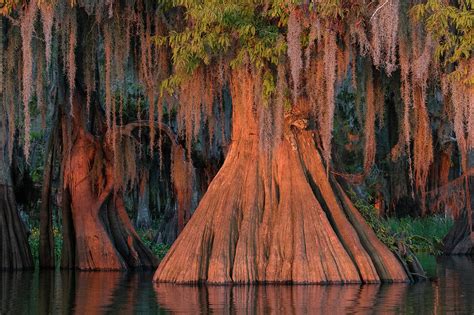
x,y
452,28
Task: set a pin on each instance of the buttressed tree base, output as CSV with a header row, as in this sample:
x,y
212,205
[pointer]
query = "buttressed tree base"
x,y
276,216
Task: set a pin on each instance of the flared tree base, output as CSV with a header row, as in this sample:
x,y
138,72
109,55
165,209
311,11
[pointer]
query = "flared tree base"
x,y
277,220
14,249
460,239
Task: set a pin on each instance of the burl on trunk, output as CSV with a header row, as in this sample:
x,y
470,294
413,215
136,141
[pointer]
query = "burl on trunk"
x,y
277,217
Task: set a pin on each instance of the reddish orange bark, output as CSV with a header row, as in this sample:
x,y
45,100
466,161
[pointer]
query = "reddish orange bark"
x,y
275,218
104,236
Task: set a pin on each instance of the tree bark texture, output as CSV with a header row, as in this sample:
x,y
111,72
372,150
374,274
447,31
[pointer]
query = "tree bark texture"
x,y
104,237
276,218
14,248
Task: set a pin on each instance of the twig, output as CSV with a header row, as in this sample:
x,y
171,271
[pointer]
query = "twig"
x,y
378,9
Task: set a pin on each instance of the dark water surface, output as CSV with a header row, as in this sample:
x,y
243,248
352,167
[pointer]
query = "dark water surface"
x,y
68,292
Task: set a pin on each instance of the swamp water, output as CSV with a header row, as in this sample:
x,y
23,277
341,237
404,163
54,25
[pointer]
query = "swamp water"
x,y
66,292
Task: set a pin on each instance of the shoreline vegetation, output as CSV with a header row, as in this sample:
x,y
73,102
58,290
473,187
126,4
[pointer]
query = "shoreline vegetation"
x,y
422,235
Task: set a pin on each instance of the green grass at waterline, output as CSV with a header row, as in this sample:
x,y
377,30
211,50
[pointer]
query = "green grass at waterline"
x,y
422,235
146,235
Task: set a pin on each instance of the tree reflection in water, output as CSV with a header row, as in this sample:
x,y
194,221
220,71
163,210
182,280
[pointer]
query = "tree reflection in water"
x,y
59,292
281,299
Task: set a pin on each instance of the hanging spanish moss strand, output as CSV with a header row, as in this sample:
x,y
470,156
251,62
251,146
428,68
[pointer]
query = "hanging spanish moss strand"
x,y
2,70
47,19
379,95
369,130
313,37
71,58
462,98
280,104
108,75
12,90
27,28
89,75
359,37
330,48
384,29
404,143
139,118
294,51
343,60
423,142
40,101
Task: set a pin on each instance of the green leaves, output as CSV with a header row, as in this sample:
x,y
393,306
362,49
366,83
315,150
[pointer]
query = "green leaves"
x,y
231,29
452,27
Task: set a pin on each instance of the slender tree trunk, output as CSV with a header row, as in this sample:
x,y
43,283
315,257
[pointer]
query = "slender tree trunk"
x,y
68,249
275,217
143,213
46,250
183,177
14,249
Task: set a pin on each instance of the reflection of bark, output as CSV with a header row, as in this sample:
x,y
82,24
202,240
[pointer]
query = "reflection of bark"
x,y
456,284
281,299
14,291
67,290
94,291
46,292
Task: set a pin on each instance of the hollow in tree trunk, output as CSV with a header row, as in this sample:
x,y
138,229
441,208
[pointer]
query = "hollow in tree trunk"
x,y
104,238
275,217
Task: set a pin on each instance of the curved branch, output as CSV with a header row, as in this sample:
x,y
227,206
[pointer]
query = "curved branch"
x,y
128,129
378,9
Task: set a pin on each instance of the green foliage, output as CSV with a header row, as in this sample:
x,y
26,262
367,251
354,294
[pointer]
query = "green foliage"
x,y
377,224
451,24
159,250
420,235
34,241
217,28
147,237
236,31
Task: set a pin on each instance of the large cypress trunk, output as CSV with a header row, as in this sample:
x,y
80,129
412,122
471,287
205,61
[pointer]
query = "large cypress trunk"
x,y
276,217
104,238
14,248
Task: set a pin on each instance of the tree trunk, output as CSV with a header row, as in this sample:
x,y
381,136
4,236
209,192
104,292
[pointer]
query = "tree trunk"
x,y
104,236
46,250
276,218
14,249
183,177
460,239
143,212
68,250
